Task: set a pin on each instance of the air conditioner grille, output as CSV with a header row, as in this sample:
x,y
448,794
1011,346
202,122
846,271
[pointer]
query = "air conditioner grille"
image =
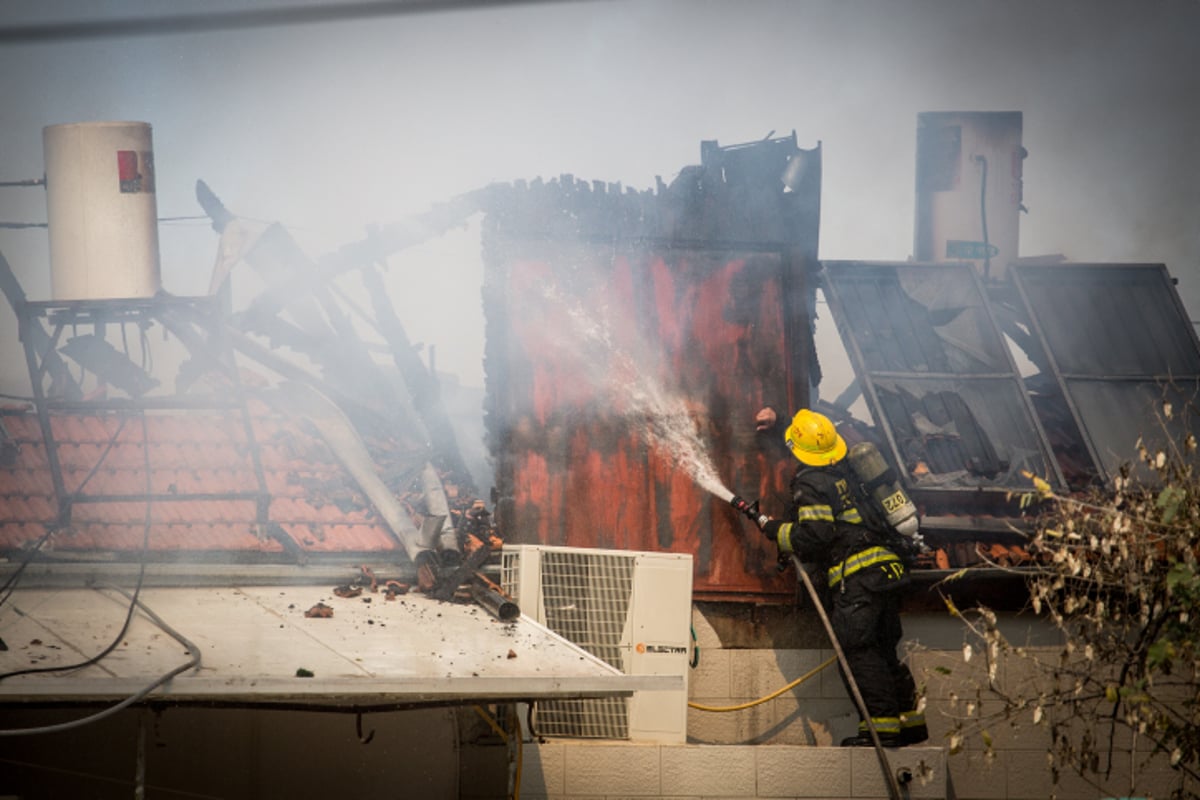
x,y
594,718
585,599
510,573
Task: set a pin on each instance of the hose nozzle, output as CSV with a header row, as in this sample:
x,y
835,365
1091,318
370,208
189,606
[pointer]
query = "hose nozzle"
x,y
749,510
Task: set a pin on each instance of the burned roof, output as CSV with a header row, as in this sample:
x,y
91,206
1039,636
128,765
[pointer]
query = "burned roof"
x,y
1059,373
201,498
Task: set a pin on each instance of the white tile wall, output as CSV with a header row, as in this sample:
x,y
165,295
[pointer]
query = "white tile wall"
x,y
625,771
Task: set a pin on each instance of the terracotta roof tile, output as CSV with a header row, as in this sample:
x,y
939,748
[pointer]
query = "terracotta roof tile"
x,y
14,535
18,480
179,538
331,538
312,498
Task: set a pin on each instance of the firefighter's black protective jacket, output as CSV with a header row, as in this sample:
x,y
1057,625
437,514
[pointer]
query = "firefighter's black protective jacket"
x,y
826,527
861,574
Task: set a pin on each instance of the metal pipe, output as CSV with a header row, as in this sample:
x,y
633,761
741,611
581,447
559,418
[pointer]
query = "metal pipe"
x,y
494,600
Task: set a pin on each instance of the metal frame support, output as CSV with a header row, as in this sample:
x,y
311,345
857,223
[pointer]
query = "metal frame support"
x,y
178,316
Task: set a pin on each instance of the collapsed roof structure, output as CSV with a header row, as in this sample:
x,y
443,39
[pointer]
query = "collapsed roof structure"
x,y
198,453
631,337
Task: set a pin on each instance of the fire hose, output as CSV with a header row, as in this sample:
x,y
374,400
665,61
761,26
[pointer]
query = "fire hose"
x,y
806,676
751,511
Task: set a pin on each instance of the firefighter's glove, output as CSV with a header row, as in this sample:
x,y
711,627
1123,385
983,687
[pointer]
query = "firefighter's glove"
x,y
769,527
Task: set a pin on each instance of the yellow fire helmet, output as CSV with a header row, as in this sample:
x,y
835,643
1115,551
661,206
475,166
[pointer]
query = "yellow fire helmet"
x,y
812,438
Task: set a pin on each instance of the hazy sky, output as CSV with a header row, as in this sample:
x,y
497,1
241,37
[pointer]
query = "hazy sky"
x,y
330,127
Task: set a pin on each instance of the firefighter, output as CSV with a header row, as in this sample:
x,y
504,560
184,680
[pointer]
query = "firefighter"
x,y
825,528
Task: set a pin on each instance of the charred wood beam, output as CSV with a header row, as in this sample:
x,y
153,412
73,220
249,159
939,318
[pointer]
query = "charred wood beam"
x,y
275,531
213,207
343,363
316,326
252,349
93,352
422,383
374,248
273,253
282,263
319,327
448,584
8,447
279,332
61,383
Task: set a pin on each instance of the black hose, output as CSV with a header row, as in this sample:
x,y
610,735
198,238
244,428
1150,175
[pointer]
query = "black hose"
x,y
892,783
141,694
133,602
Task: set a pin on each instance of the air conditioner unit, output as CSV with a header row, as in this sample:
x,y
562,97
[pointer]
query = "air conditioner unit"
x,y
631,609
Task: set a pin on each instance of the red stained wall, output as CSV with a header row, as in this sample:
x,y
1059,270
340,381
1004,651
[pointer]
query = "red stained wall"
x,y
579,332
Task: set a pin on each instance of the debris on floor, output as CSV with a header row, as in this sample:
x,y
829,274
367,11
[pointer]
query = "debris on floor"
x,y
320,610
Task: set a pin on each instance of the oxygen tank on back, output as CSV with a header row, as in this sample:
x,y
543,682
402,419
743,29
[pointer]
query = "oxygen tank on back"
x,y
883,487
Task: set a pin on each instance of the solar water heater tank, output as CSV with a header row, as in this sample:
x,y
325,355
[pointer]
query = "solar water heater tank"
x,y
101,210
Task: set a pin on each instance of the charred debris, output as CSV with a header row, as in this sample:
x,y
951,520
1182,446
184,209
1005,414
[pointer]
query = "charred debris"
x,y
344,379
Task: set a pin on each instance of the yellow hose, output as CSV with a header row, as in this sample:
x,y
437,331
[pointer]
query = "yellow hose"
x,y
495,726
772,695
491,722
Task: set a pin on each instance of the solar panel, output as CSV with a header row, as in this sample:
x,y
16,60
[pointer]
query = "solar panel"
x,y
1123,351
937,375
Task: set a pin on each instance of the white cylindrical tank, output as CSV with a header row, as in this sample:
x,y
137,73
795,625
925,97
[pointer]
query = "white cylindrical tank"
x,y
969,187
101,210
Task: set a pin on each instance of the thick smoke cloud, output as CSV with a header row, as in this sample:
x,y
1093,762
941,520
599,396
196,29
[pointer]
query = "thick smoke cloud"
x,y
330,127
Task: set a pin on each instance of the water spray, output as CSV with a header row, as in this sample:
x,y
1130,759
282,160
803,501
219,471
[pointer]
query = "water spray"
x,y
661,416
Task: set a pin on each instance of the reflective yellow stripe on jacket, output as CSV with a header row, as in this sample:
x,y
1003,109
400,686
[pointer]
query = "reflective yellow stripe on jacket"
x,y
814,513
824,513
860,560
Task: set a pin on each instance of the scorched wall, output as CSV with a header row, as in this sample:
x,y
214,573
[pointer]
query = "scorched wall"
x,y
631,337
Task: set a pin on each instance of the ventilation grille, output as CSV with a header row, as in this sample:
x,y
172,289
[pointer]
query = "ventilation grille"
x,y
585,599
